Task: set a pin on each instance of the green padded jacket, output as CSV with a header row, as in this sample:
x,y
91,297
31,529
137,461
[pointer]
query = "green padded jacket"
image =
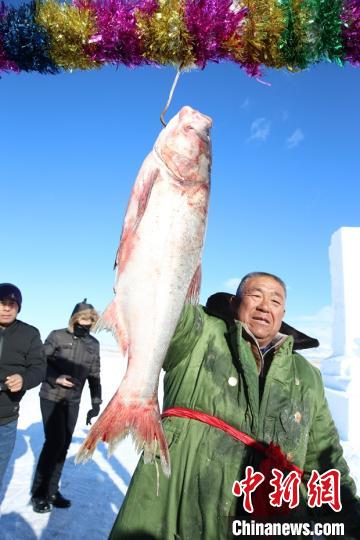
x,y
210,366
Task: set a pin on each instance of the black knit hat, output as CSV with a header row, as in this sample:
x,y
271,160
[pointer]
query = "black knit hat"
x,y
8,291
82,306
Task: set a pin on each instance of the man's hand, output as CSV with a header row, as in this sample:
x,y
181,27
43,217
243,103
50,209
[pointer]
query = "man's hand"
x,y
14,382
93,412
64,380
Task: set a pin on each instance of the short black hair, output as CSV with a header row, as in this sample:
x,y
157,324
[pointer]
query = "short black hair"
x,y
245,279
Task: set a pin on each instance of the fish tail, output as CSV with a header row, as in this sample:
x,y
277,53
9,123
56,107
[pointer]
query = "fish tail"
x,y
139,418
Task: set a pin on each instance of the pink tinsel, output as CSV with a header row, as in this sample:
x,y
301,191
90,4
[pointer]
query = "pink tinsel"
x,y
5,64
351,30
117,40
210,24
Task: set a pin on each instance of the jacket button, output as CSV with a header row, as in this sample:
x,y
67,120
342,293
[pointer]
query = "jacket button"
x,y
297,417
232,381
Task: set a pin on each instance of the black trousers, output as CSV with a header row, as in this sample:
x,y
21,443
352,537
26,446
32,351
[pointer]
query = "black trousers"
x,y
59,419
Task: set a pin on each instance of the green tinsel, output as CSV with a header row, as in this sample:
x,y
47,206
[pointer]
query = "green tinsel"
x,y
312,33
293,42
328,20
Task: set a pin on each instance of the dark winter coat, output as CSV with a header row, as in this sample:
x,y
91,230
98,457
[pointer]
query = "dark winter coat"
x,y
77,357
211,367
21,351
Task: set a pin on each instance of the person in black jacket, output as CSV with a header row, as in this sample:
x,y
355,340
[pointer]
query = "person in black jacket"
x,y
22,366
72,358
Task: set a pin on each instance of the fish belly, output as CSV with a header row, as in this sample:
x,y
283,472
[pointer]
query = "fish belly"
x,y
153,286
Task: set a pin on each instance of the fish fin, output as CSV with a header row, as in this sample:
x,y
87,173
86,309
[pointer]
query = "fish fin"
x,y
136,208
111,320
144,196
192,296
138,418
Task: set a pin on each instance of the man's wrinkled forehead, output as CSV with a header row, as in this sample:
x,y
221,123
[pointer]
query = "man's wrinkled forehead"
x,y
267,285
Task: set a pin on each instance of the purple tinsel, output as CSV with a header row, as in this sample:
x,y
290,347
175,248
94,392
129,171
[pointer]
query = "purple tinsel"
x,y
351,30
5,64
210,24
117,39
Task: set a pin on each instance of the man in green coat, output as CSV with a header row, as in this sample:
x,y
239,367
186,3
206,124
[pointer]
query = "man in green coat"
x,y
236,361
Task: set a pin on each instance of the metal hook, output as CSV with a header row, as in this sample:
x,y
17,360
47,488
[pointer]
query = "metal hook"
x,y
162,119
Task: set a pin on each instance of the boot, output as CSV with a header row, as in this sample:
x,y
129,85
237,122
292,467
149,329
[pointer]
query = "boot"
x,y
59,501
40,505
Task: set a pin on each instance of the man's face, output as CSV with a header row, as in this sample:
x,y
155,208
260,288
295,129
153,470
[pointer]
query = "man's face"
x,y
262,308
8,311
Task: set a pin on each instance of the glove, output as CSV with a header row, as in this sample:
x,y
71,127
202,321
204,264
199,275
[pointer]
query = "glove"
x,y
92,413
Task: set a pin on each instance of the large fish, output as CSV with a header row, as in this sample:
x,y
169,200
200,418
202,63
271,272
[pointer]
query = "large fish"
x,y
158,269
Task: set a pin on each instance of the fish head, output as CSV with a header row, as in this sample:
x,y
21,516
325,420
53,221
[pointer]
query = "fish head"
x,y
185,146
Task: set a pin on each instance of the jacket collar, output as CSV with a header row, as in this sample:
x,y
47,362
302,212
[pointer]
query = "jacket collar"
x,y
218,305
10,328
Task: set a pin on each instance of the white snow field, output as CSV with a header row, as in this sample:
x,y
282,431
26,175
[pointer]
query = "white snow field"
x,y
96,488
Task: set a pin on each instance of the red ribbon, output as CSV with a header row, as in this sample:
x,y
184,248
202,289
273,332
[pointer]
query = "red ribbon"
x,y
274,456
272,451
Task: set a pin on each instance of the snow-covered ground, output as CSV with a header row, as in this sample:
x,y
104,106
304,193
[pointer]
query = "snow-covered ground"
x,y
96,488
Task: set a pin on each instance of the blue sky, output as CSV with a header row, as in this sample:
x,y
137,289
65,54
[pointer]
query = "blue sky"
x,y
285,176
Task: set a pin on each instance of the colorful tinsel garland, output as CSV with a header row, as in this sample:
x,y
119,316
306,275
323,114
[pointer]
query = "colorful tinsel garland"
x,y
48,36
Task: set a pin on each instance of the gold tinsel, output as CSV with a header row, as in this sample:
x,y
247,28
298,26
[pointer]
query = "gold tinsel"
x,y
70,29
263,26
164,35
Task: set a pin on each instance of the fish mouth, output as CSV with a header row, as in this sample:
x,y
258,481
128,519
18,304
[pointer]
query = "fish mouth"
x,y
204,135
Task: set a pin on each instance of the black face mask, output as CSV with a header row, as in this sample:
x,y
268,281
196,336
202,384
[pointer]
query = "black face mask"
x,y
81,330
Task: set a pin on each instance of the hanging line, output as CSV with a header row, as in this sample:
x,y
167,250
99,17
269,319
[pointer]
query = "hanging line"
x,y
178,72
